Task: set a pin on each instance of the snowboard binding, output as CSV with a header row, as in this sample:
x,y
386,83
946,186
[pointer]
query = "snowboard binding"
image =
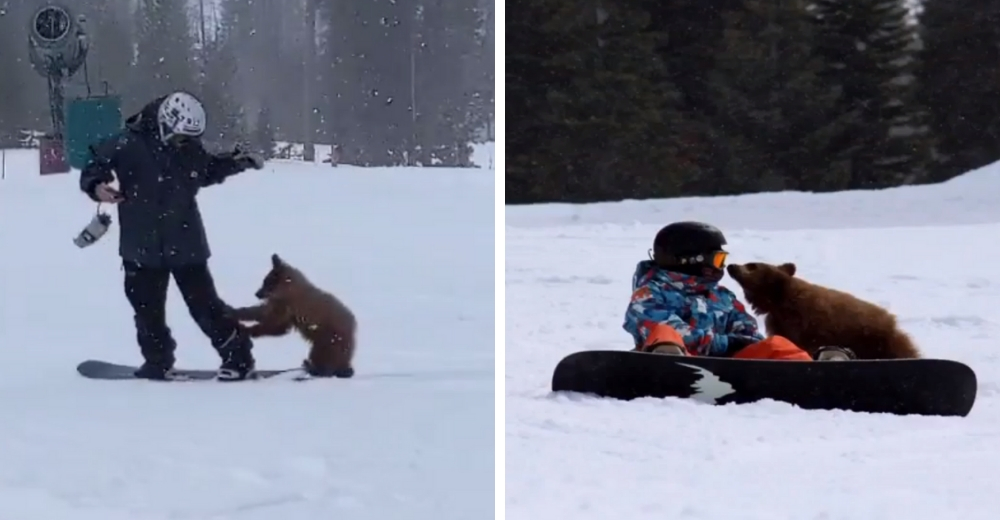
x,y
835,354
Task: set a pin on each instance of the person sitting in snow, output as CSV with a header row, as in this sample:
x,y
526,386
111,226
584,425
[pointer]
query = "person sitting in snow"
x,y
679,308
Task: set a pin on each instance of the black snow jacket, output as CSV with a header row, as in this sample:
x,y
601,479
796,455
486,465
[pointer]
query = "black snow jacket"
x,y
160,222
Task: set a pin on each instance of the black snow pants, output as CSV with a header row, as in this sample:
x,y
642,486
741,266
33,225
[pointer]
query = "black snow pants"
x,y
146,289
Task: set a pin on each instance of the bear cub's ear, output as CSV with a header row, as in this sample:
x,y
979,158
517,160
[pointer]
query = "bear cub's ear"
x,y
788,268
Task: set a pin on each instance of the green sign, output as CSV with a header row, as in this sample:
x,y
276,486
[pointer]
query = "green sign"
x,y
89,120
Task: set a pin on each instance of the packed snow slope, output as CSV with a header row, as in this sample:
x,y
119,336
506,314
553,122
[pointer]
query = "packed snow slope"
x,y
410,437
927,253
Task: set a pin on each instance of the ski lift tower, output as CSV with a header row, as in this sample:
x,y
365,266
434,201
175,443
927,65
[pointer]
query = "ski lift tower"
x,y
57,47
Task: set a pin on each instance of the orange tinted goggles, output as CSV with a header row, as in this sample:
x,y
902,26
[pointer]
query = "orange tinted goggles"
x,y
718,259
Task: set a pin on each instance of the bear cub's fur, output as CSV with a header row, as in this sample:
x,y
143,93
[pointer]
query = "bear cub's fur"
x,y
292,301
812,316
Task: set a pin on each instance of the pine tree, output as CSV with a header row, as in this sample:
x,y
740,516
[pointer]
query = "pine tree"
x,y
164,48
262,139
110,56
692,29
868,48
18,78
635,125
593,115
444,38
369,48
958,81
341,95
774,117
225,119
481,73
540,62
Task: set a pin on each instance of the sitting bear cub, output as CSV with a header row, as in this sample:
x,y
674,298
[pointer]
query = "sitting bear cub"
x,y
812,316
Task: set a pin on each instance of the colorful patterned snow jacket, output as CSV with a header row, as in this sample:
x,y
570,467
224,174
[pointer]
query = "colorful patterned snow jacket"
x,y
703,313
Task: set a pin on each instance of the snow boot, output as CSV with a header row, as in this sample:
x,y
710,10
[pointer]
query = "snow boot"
x,y
155,371
237,367
157,346
238,363
158,357
669,350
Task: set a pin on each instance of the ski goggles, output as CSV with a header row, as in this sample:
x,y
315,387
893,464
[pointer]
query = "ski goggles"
x,y
180,141
716,259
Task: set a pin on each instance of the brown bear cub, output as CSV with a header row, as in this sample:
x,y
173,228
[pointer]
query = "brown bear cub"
x,y
291,301
812,316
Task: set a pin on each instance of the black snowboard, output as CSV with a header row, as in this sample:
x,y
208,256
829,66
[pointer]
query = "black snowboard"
x,y
96,369
903,387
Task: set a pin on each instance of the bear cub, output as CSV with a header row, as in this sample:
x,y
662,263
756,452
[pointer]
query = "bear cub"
x,y
812,316
290,301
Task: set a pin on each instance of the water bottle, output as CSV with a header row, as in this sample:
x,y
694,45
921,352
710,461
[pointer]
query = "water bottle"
x,y
98,226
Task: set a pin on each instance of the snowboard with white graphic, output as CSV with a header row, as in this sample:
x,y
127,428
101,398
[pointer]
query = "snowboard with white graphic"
x,y
903,387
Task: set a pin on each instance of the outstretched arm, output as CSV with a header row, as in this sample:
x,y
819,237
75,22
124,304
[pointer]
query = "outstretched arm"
x,y
272,320
219,167
252,313
277,327
276,321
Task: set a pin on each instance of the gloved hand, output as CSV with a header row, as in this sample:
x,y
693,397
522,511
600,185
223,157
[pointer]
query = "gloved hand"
x,y
246,159
738,342
106,194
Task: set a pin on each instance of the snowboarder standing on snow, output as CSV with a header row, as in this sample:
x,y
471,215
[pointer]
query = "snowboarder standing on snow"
x,y
679,308
160,165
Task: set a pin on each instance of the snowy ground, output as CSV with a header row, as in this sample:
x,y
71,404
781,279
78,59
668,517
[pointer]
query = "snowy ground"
x,y
411,437
927,253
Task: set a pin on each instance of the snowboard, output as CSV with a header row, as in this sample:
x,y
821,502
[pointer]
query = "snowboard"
x,y
96,369
901,387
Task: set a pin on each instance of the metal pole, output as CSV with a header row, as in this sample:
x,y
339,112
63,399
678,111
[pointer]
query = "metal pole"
x,y
201,26
412,22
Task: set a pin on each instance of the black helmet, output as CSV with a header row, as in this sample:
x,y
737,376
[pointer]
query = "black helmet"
x,y
683,243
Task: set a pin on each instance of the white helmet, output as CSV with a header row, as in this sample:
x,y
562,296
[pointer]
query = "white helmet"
x,y
180,114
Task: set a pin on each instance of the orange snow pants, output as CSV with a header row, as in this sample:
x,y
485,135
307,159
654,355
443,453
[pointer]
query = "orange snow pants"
x,y
774,347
